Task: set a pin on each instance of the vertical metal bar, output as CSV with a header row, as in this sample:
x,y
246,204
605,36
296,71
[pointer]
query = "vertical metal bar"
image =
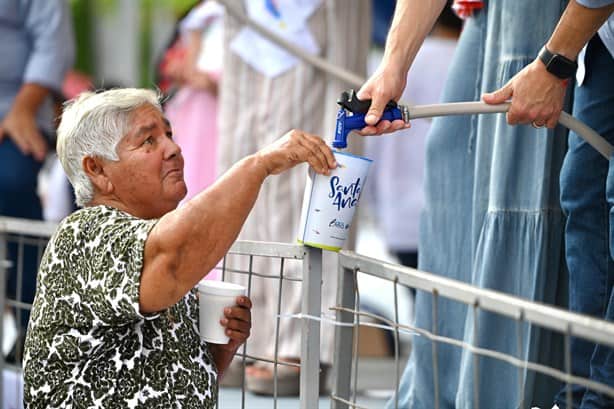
x,y
397,370
521,369
19,290
217,404
224,267
277,323
356,340
568,397
476,359
249,294
4,266
434,327
310,332
342,364
40,248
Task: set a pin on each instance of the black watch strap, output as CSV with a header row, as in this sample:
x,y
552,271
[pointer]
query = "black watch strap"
x,y
558,65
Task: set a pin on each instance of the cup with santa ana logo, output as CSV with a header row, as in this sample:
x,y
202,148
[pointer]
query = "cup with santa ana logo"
x,y
330,201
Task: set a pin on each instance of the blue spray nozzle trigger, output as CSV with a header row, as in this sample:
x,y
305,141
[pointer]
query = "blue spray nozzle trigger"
x,y
347,123
351,116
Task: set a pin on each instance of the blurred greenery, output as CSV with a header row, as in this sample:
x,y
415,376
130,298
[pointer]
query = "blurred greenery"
x,y
84,12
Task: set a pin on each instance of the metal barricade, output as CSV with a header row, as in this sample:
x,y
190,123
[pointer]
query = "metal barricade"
x,y
16,235
348,317
310,281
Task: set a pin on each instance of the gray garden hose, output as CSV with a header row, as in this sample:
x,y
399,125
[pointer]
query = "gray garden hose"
x,y
463,108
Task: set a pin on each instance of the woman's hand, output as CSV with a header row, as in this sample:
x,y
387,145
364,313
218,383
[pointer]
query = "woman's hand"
x,y
296,147
536,97
387,83
237,322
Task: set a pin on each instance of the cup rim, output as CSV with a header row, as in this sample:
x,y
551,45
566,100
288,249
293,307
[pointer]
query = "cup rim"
x,y
352,155
216,287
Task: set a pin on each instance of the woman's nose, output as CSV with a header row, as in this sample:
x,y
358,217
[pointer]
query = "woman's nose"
x,y
173,149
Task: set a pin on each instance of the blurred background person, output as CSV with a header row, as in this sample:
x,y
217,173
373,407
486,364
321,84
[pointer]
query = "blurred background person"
x,y
492,216
192,66
582,45
56,193
37,50
266,90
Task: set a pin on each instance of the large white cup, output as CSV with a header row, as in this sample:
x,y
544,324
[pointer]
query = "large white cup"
x,y
330,201
213,297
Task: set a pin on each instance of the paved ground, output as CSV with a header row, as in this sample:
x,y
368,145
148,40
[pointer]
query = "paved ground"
x,y
230,398
374,383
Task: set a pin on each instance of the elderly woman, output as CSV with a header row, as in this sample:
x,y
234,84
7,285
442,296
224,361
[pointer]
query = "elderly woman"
x,y
115,319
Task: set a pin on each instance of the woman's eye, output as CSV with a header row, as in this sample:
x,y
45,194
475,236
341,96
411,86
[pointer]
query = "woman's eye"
x,y
148,141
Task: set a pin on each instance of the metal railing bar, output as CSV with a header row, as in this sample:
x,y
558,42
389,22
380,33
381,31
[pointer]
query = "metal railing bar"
x,y
268,249
249,294
311,303
435,356
546,370
277,324
568,399
18,304
356,329
4,266
550,317
19,293
397,363
476,360
347,402
262,275
33,241
344,335
28,227
519,346
279,362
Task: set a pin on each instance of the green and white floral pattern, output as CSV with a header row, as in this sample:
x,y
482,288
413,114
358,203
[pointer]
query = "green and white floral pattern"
x,y
88,346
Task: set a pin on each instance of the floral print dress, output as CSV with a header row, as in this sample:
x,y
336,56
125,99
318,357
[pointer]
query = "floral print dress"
x,y
88,345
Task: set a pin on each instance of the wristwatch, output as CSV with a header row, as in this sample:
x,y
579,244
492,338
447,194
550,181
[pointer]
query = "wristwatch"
x,y
558,65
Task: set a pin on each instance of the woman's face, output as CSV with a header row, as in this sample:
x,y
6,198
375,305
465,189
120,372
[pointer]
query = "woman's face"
x,y
148,178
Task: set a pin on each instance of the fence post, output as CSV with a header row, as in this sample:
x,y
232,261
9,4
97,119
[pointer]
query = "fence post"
x,y
344,336
4,266
310,329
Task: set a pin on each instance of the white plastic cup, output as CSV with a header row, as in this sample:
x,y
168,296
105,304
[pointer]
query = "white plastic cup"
x,y
213,297
329,202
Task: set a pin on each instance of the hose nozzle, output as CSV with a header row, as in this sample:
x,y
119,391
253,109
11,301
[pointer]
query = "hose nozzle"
x,y
351,116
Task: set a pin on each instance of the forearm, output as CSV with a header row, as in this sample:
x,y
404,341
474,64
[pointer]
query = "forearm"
x,y
215,216
206,226
29,98
413,20
576,26
189,241
221,357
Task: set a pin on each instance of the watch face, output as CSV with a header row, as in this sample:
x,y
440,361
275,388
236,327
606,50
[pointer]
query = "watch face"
x,y
558,65
561,67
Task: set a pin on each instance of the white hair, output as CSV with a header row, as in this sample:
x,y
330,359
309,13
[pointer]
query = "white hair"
x,y
92,125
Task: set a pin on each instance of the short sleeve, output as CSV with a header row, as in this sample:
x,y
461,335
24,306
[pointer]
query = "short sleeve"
x,y
49,26
113,251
